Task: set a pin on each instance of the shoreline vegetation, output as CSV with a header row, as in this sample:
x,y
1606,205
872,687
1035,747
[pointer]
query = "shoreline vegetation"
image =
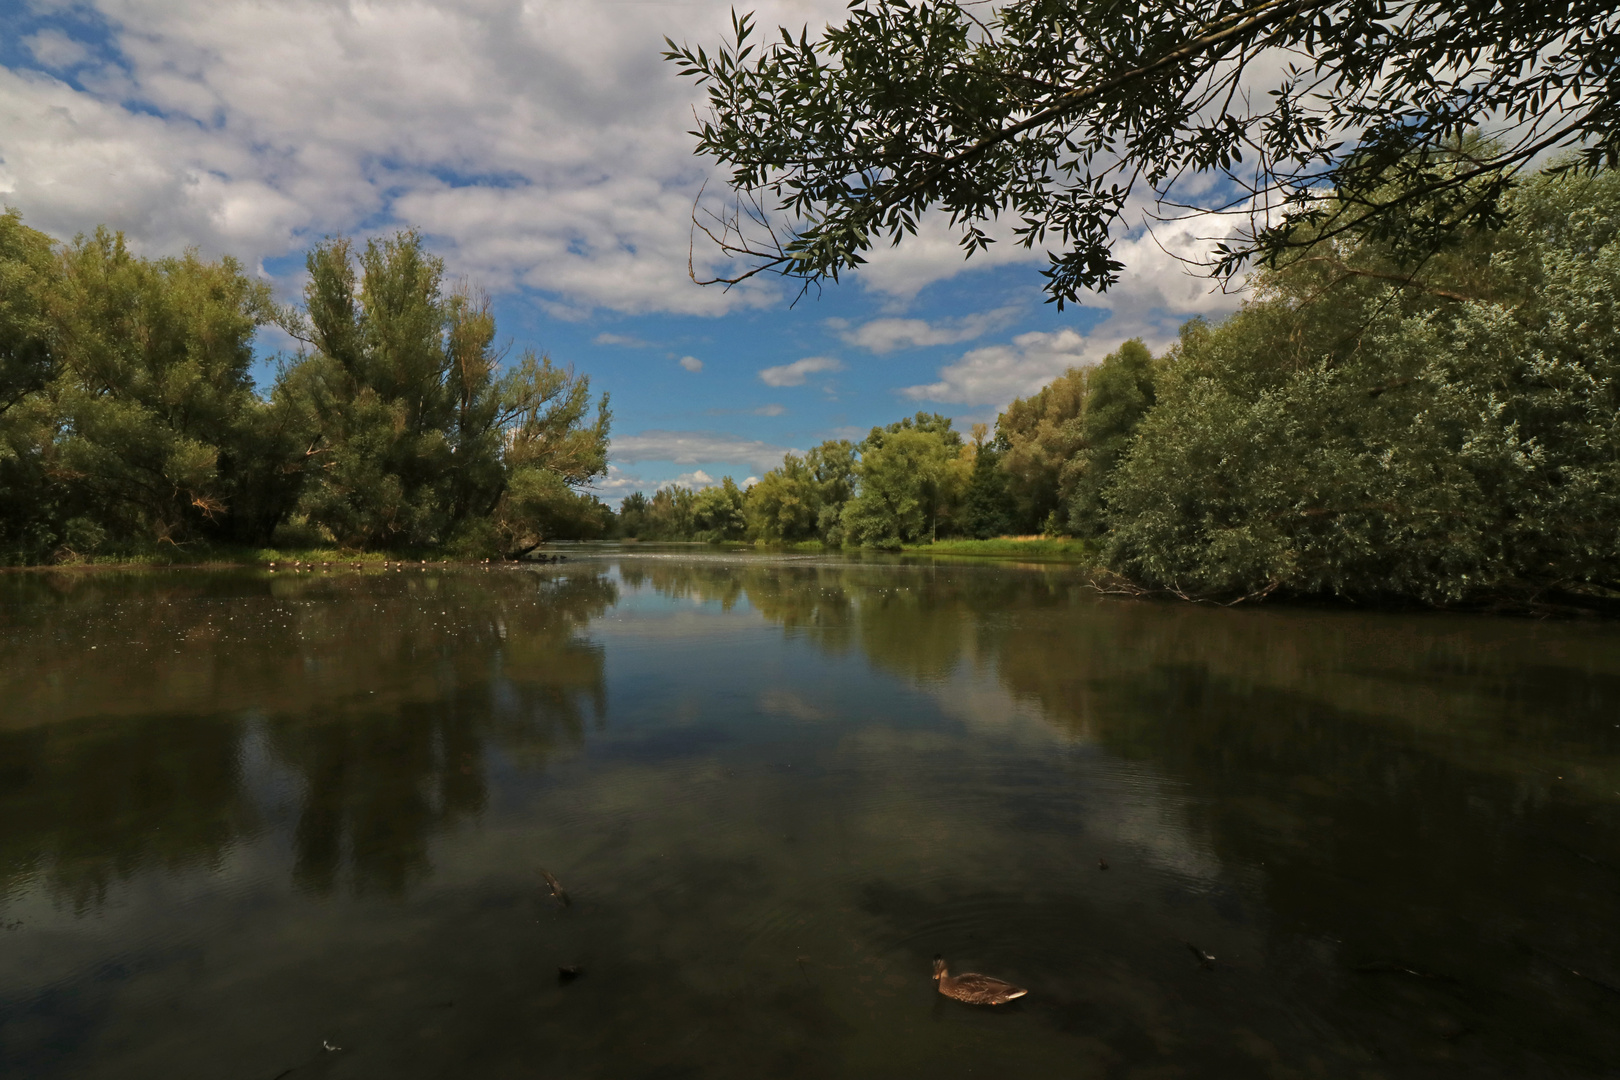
x,y
1365,429
1025,548
1362,430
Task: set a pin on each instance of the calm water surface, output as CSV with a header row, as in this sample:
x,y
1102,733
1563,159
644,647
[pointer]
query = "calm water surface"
x,y
247,817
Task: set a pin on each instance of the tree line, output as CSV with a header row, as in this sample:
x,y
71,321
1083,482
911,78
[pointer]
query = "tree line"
x,y
1363,426
129,420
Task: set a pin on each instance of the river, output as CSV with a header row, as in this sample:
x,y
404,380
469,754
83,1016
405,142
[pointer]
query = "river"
x,y
292,826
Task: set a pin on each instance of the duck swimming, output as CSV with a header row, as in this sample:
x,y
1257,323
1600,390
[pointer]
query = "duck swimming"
x,y
975,989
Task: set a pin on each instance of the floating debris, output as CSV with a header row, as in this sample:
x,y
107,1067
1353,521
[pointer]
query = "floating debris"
x,y
1394,968
1205,960
568,973
558,893
1102,863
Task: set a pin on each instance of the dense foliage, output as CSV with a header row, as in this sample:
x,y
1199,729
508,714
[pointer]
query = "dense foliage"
x,y
1354,430
1343,434
902,484
1055,113
129,418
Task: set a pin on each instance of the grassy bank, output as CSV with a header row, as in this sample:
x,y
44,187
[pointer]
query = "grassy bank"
x,y
1058,549
198,554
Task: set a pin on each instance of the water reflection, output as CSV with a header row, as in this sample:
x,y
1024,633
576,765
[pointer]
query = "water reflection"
x,y
1399,835
132,697
1426,809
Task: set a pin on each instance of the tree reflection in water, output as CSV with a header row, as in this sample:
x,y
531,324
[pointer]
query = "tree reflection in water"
x,y
1402,824
133,697
1414,796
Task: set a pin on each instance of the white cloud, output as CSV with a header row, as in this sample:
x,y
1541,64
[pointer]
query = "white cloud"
x,y
1156,294
697,479
691,363
696,447
888,334
55,49
795,373
538,144
617,483
934,254
763,410
995,374
629,341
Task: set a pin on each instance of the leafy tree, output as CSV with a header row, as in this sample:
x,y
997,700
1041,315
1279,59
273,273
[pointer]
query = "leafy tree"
x,y
802,499
833,465
717,512
1055,113
633,515
1371,441
670,514
989,507
1041,434
161,427
911,475
31,510
418,436
786,502
1120,391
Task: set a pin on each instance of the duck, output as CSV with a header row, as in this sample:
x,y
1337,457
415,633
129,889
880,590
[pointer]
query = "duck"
x,y
974,989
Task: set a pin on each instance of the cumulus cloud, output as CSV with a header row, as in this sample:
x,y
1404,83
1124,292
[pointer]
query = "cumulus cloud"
x,y
696,479
695,447
54,49
795,373
1156,294
996,374
691,363
539,145
617,484
887,334
934,254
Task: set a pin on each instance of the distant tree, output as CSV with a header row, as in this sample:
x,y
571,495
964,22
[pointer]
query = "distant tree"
x,y
1039,436
670,514
1056,113
633,515
785,503
717,513
802,499
1119,393
833,465
911,475
989,508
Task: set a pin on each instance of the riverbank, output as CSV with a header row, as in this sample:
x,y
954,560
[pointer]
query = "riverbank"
x,y
1045,549
213,555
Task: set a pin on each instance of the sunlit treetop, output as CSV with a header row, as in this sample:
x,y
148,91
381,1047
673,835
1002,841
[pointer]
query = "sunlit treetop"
x,y
1064,115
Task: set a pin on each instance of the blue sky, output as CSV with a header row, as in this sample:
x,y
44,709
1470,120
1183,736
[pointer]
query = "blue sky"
x,y
540,145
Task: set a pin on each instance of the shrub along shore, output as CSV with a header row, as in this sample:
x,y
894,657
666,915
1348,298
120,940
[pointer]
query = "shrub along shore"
x,y
131,428
1367,427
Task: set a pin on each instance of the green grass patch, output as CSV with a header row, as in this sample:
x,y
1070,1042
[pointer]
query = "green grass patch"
x,y
203,554
1044,549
